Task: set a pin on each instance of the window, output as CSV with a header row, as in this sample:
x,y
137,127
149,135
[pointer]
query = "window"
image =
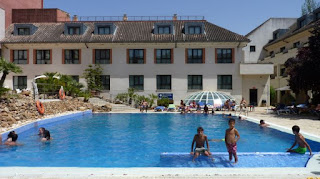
x,y
283,72
42,57
164,30
74,30
271,53
136,82
104,30
163,55
23,31
71,57
303,23
195,56
194,30
224,81
75,77
136,56
20,56
102,56
224,55
105,82
282,49
296,44
252,48
318,16
19,82
194,82
164,82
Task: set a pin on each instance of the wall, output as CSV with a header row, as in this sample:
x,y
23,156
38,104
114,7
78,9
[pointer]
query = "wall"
x,y
8,5
38,15
2,23
119,70
261,36
259,82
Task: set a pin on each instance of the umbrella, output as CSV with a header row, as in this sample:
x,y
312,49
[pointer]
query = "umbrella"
x,y
286,88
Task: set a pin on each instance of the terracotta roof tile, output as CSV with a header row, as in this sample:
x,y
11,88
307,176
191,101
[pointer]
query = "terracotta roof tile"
x,y
126,31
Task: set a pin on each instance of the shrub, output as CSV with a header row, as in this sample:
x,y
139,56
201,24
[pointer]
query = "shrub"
x,y
163,102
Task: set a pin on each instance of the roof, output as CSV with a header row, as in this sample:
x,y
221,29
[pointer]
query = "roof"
x,y
127,31
292,31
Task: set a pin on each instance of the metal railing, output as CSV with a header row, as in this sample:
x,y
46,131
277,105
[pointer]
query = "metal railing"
x,y
128,18
45,90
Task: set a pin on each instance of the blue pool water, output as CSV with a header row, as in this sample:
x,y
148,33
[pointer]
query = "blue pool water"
x,y
141,140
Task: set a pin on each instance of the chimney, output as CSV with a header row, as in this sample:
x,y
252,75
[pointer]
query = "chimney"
x,y
175,17
125,18
75,18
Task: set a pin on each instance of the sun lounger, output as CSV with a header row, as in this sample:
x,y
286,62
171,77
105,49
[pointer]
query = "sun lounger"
x,y
159,108
286,111
171,108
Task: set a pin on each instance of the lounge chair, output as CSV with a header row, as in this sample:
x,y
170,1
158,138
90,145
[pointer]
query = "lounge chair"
x,y
316,111
283,109
171,108
159,108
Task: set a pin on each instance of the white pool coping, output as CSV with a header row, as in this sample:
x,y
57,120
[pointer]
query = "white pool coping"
x,y
311,170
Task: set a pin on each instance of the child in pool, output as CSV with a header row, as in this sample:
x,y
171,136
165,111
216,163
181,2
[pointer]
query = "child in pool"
x,y
231,138
303,145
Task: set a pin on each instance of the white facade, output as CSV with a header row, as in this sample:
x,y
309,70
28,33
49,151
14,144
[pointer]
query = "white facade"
x,y
2,25
260,36
256,80
119,70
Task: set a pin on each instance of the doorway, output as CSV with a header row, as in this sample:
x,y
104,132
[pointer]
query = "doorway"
x,y
253,97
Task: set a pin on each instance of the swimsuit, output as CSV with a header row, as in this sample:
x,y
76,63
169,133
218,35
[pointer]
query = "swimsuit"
x,y
200,150
232,148
300,150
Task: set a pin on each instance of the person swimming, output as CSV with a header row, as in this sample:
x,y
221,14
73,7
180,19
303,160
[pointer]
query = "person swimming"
x,y
44,134
12,139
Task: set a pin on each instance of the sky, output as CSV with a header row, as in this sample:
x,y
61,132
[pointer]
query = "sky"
x,y
239,16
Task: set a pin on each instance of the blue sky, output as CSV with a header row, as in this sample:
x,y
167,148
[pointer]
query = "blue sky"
x,y
240,16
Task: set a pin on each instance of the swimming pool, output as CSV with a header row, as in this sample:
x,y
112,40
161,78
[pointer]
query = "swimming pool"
x,y
141,140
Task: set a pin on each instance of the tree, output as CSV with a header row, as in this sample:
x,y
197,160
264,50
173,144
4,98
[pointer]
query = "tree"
x,y
309,6
93,77
6,68
273,95
304,67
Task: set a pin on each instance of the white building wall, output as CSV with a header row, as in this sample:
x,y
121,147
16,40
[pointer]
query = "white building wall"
x,y
2,23
119,70
2,26
261,83
261,36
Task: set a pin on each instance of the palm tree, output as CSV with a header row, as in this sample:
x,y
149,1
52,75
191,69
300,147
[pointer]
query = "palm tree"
x,y
152,97
6,68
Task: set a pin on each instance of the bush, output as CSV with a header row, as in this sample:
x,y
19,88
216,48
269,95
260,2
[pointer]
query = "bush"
x,y
3,91
85,94
273,95
163,102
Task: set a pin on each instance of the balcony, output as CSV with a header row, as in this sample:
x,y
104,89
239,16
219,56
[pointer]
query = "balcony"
x,y
256,69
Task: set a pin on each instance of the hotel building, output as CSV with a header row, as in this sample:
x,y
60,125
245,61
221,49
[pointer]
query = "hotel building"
x,y
173,56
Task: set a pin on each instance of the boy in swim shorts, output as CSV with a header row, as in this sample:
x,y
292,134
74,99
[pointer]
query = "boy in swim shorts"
x,y
302,148
231,138
200,139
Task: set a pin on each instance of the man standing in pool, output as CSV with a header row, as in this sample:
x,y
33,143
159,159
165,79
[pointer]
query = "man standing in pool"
x,y
44,134
231,138
200,139
302,148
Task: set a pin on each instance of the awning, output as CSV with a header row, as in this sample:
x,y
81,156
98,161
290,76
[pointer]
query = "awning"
x,y
286,88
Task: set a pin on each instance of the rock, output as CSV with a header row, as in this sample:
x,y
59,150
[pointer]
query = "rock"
x,y
6,109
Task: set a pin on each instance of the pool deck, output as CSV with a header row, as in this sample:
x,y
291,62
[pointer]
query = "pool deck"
x,y
283,123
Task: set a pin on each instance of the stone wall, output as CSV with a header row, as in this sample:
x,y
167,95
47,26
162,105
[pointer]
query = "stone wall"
x,y
21,109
